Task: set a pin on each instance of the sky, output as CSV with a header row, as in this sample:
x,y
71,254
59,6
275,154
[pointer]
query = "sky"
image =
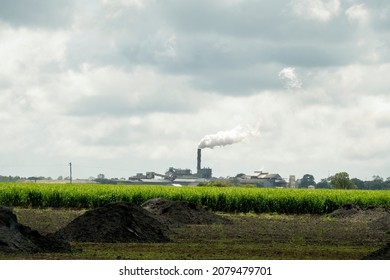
x,y
126,86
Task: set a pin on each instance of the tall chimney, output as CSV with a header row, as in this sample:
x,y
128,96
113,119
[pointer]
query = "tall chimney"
x,y
199,159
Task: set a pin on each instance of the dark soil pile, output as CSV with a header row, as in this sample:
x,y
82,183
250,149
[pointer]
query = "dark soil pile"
x,y
15,237
376,217
380,218
178,213
346,211
381,254
115,222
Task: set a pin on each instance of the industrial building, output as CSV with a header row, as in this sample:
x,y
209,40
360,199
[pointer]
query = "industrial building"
x,y
179,177
173,176
262,178
176,176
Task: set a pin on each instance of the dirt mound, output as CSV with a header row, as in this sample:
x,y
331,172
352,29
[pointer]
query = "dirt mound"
x,y
115,222
15,237
345,211
381,254
376,217
177,213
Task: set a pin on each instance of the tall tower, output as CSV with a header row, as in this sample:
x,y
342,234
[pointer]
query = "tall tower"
x,y
291,181
199,161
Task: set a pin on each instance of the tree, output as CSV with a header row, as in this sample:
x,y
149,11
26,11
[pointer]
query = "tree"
x,y
358,183
323,184
377,183
341,181
377,178
240,175
307,180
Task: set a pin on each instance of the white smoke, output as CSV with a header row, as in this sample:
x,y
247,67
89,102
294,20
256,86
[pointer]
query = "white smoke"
x,y
288,74
223,138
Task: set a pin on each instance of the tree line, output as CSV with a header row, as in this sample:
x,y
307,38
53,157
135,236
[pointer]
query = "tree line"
x,y
18,178
341,180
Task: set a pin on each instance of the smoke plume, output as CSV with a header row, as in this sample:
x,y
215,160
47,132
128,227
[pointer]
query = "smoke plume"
x,y
223,138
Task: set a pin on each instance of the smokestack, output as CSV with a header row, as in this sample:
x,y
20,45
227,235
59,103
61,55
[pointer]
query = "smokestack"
x,y
199,159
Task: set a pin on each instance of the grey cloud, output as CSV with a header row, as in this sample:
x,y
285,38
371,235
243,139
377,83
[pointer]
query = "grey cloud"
x,y
220,46
239,81
215,17
251,19
36,13
128,83
198,19
314,56
106,105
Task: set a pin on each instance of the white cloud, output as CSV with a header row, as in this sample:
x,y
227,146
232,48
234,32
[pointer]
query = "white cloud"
x,y
320,10
26,51
290,76
133,86
358,13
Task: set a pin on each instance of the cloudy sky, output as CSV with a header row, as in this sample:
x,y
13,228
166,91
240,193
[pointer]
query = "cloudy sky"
x,y
125,86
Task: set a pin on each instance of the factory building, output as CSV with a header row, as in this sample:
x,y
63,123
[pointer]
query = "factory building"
x,y
178,176
264,179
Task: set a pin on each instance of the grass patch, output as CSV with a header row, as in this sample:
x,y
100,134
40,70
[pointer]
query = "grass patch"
x,y
208,251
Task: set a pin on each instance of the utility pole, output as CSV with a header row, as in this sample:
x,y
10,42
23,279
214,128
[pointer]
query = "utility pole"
x,y
70,172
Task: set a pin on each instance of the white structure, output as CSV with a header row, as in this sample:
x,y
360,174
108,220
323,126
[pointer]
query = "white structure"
x,y
291,182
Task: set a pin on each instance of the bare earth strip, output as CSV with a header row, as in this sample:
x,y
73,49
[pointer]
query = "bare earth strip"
x,y
248,236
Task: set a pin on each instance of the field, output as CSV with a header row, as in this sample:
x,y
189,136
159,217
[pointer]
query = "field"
x,y
231,200
266,223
